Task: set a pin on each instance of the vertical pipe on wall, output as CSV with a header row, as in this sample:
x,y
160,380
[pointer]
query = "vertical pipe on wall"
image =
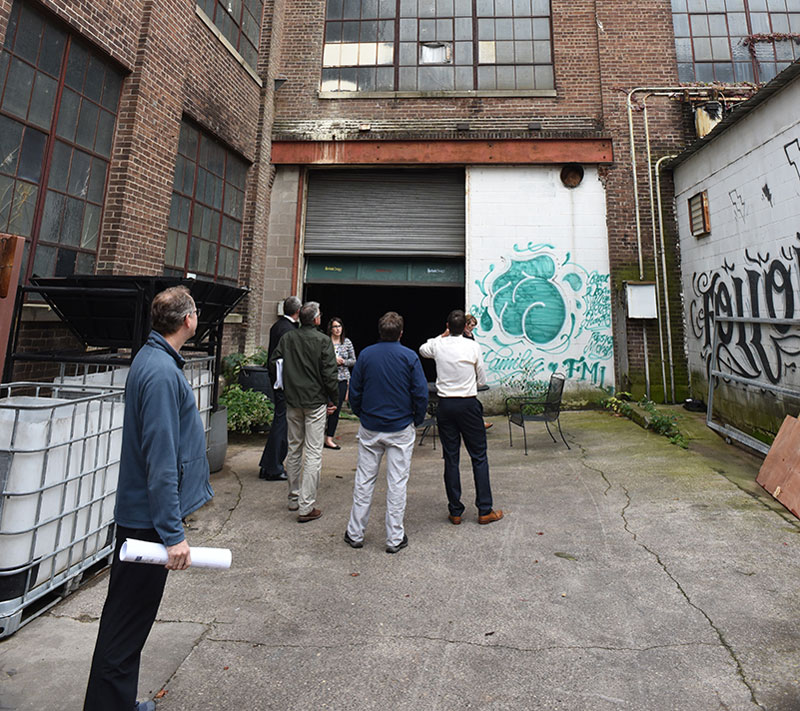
x,y
297,277
646,361
635,183
664,275
655,248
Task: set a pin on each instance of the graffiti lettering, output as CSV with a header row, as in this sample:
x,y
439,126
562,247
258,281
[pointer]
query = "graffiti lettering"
x,y
792,151
764,287
538,304
582,370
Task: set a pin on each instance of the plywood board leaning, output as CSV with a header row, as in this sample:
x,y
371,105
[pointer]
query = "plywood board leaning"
x,y
780,472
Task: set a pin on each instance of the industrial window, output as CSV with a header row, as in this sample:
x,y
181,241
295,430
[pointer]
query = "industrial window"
x,y
58,106
437,45
240,24
205,220
730,41
698,214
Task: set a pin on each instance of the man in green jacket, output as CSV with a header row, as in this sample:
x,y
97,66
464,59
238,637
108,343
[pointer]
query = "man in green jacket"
x,y
311,387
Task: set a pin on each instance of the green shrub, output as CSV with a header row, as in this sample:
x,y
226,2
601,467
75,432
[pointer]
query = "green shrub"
x,y
664,424
260,357
234,362
231,365
247,409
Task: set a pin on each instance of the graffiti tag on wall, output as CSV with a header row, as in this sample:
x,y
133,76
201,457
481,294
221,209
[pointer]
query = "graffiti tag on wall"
x,y
764,286
540,312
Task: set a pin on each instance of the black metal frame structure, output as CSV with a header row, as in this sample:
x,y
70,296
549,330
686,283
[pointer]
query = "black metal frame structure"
x,y
111,315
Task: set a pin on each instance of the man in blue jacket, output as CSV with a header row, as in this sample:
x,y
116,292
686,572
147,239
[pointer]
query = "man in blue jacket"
x,y
389,394
163,477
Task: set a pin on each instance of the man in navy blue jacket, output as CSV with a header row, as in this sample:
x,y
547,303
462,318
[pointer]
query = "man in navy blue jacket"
x,y
163,477
389,393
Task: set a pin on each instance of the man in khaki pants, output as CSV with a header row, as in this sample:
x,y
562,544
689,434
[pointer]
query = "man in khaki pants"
x,y
311,387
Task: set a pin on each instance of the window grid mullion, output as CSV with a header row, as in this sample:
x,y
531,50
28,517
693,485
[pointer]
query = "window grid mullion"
x,y
48,158
190,231
396,57
475,47
221,216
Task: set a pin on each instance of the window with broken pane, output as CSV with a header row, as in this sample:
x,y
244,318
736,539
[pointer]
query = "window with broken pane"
x,y
58,106
711,39
437,45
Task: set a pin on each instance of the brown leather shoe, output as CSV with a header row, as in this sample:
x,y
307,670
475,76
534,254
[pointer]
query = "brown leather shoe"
x,y
312,515
490,517
455,520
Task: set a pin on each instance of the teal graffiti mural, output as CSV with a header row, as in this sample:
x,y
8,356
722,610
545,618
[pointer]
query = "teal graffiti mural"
x,y
539,312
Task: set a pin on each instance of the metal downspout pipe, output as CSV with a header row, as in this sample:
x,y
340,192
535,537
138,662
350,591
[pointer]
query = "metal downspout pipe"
x,y
655,248
638,236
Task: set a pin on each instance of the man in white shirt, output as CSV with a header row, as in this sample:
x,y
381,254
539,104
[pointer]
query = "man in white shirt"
x,y
459,372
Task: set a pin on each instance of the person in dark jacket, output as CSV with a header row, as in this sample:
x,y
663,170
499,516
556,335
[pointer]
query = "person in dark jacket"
x,y
311,387
271,464
163,477
389,394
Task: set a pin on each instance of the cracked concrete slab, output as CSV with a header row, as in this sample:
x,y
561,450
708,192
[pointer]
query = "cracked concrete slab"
x,y
45,665
627,574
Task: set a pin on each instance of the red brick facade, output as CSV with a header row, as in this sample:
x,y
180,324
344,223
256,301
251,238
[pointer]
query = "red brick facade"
x,y
177,67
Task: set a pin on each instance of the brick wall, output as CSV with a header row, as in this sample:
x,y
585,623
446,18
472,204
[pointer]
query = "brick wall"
x,y
602,50
176,66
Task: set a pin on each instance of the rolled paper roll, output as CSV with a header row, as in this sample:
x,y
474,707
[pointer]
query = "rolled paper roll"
x,y
135,551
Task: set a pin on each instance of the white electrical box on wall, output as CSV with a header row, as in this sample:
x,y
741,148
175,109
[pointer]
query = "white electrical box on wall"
x,y
641,299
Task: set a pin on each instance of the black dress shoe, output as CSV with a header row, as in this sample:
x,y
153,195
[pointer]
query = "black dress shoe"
x,y
269,477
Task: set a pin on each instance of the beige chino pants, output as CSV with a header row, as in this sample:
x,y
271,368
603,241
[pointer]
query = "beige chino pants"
x,y
306,435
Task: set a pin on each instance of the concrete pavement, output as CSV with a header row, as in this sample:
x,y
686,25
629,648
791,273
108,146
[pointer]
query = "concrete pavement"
x,y
627,574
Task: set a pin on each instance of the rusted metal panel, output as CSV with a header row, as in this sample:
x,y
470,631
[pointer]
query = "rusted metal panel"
x,y
523,151
11,250
780,472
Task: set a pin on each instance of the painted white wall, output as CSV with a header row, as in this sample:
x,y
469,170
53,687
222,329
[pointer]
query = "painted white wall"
x,y
752,176
538,274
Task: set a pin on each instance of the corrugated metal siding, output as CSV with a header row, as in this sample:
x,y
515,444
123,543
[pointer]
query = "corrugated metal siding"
x,y
380,212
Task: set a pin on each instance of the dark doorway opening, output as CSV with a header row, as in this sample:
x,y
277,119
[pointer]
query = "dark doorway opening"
x,y
423,308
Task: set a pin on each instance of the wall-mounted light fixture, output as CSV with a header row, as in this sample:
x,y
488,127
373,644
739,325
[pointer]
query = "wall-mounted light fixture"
x,y
462,126
535,126
279,82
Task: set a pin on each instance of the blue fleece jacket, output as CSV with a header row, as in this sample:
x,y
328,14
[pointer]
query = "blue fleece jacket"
x,y
163,471
388,390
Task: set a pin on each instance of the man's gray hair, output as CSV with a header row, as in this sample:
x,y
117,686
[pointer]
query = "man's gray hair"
x,y
309,312
169,308
291,305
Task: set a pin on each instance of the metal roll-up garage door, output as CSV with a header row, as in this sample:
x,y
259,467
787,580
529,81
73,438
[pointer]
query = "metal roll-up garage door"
x,y
386,212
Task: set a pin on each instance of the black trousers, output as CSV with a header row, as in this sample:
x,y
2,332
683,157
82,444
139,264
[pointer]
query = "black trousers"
x,y
333,418
277,441
134,594
462,418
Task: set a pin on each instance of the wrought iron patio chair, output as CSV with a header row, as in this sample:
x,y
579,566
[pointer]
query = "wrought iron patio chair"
x,y
429,423
521,409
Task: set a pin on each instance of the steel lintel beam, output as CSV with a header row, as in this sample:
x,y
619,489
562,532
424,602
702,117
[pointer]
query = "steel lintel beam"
x,y
443,152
